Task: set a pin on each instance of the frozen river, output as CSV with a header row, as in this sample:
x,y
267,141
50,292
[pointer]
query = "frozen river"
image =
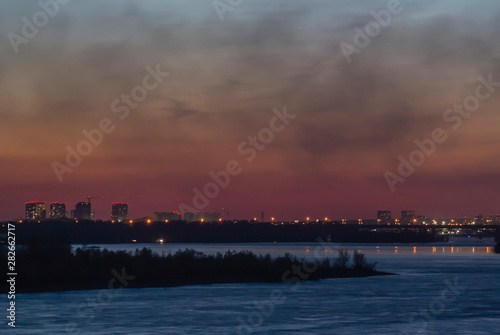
x,y
446,288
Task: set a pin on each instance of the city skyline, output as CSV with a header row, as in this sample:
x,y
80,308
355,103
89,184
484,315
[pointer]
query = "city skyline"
x,y
119,211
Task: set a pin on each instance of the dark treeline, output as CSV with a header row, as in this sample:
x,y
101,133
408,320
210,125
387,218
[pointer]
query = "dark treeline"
x,y
50,265
86,232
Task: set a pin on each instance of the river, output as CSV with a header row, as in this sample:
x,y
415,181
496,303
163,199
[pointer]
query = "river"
x,y
442,288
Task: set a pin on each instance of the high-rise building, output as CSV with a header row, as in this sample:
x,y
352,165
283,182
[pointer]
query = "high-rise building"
x,y
383,217
119,211
57,210
83,211
407,216
35,210
164,216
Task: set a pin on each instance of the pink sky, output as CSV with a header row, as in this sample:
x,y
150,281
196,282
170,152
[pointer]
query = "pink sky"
x,y
352,120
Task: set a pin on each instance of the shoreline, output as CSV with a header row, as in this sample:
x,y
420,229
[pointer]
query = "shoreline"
x,y
47,265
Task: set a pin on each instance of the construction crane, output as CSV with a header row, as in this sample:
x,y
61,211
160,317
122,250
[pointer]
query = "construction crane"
x,y
89,197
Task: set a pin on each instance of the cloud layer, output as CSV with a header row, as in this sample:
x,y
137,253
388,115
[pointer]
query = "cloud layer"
x,y
353,122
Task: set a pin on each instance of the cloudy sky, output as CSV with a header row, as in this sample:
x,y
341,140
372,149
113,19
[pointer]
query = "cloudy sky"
x,y
353,120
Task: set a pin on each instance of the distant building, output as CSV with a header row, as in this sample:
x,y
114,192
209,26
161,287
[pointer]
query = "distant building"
x,y
407,216
83,211
384,217
204,217
422,219
211,217
164,216
479,219
35,210
57,210
192,216
492,219
119,211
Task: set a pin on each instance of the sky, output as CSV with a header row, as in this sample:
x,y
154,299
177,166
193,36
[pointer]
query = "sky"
x,y
349,120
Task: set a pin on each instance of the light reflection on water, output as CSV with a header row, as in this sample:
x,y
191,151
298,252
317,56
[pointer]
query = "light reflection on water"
x,y
457,246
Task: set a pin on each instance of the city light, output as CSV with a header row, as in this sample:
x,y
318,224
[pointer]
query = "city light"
x,y
120,214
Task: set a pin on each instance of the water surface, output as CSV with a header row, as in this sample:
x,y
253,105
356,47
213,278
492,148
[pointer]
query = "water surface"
x,y
445,288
